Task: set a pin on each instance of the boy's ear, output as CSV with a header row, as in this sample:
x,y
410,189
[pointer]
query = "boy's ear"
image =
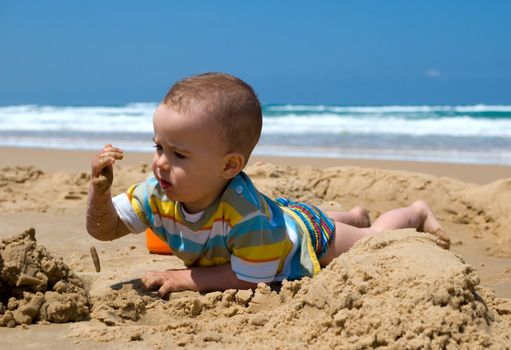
x,y
233,164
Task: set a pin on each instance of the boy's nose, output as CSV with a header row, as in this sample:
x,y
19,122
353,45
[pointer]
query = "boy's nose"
x,y
163,162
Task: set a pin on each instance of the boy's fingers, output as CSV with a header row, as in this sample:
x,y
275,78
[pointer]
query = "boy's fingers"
x,y
100,163
164,290
105,159
102,170
111,153
112,156
158,280
109,148
152,281
113,149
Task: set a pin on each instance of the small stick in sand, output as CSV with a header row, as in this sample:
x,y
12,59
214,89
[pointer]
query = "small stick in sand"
x,y
95,258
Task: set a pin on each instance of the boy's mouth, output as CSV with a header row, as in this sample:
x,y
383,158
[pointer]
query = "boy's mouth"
x,y
164,184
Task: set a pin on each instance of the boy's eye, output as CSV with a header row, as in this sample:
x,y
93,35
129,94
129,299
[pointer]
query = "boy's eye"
x,y
179,155
158,147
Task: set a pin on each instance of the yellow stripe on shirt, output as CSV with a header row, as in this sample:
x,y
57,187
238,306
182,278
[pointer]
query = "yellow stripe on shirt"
x,y
310,247
225,211
268,252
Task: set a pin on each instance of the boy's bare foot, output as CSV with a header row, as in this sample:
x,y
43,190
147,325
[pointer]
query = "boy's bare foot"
x,y
431,225
360,217
443,240
357,217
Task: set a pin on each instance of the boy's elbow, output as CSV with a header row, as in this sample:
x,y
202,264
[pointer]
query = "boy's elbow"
x,y
100,235
104,238
246,285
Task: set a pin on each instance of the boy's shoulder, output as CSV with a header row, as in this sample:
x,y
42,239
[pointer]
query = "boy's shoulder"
x,y
242,195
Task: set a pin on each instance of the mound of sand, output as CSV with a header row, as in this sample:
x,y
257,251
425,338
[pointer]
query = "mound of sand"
x,y
35,286
396,290
491,205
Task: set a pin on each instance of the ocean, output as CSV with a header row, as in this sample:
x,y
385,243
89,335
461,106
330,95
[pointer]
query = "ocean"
x,y
460,134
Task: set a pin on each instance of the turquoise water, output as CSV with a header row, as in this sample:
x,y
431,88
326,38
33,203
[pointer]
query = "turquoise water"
x,y
466,134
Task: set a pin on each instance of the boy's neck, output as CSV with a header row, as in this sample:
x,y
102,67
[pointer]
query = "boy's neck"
x,y
193,208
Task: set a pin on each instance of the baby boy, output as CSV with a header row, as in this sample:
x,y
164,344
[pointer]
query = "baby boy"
x,y
201,203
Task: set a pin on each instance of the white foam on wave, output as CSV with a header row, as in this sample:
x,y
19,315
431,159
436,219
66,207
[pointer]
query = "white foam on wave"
x,y
479,108
293,124
76,144
290,120
132,118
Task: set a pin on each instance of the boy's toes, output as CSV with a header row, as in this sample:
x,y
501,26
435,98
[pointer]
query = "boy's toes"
x,y
442,239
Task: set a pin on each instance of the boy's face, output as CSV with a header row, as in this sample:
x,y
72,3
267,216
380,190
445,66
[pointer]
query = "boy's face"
x,y
189,157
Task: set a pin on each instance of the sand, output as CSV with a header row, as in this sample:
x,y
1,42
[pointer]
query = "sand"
x,y
35,286
396,290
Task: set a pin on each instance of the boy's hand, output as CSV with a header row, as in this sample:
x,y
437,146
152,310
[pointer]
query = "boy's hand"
x,y
102,170
166,281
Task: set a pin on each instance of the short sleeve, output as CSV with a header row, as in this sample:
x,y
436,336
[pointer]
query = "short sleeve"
x,y
133,206
258,248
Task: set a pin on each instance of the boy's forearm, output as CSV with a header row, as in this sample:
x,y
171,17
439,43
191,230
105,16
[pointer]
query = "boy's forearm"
x,y
103,223
200,279
217,278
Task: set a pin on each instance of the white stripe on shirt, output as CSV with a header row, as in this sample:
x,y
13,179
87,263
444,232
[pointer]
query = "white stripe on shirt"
x,y
254,272
127,214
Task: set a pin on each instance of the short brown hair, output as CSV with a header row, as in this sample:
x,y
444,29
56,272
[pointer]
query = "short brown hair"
x,y
232,102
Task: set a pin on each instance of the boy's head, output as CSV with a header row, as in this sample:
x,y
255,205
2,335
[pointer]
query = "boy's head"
x,y
204,131
228,100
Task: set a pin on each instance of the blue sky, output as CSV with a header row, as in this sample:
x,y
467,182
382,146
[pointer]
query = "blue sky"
x,y
322,52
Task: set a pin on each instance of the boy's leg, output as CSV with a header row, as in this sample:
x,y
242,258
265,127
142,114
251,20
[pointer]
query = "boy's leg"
x,y
357,217
418,216
345,237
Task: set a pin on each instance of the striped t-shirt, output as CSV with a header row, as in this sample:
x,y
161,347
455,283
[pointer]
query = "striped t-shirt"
x,y
262,240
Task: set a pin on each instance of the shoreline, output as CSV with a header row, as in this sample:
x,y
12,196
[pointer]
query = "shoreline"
x,y
52,160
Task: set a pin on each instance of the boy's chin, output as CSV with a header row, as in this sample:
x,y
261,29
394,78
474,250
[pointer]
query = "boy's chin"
x,y
170,195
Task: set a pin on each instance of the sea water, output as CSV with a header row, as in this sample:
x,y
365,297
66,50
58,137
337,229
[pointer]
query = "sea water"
x,y
463,134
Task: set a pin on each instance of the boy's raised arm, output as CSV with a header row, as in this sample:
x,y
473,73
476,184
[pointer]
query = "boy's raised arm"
x,y
103,223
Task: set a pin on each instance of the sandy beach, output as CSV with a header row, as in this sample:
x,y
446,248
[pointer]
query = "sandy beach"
x,y
395,289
